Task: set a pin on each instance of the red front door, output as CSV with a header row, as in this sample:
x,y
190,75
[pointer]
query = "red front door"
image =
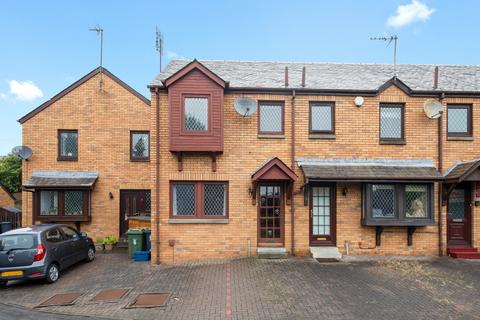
x,y
322,215
270,214
459,216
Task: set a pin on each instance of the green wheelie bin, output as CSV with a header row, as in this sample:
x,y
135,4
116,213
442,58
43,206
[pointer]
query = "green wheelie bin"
x,y
135,241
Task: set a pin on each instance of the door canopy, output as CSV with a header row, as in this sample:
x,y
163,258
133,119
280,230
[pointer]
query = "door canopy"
x,y
273,170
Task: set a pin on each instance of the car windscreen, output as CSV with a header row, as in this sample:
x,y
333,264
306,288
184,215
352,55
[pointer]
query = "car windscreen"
x,y
17,242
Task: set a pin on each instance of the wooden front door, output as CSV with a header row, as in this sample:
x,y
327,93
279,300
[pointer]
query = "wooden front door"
x,y
132,203
459,216
270,214
322,215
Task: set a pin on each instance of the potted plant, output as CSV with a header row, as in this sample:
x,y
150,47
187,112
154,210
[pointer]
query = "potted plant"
x,y
99,246
109,242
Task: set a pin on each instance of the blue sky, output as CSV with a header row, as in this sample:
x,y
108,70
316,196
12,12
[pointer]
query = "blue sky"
x,y
46,45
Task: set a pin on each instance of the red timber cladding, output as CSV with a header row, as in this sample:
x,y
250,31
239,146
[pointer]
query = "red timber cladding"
x,y
196,83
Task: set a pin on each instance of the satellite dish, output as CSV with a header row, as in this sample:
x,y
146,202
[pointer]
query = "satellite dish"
x,y
23,152
433,109
245,106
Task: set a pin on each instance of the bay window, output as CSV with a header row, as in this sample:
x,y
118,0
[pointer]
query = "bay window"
x,y
62,205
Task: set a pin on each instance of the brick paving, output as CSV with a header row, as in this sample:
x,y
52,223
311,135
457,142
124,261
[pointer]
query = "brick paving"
x,y
295,288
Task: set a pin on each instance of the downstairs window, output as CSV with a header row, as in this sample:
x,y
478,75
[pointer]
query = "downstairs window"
x,y
62,205
397,204
199,199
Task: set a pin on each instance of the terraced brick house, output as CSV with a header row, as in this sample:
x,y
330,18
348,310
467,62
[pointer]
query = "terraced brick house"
x,y
338,159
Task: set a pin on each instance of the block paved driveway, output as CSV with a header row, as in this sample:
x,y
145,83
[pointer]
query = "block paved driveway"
x,y
295,288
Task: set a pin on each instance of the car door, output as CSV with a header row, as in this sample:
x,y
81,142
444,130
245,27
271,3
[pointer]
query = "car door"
x,y
73,244
57,246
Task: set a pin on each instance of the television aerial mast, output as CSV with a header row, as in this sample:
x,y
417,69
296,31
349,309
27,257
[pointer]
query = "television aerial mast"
x,y
390,39
99,31
159,44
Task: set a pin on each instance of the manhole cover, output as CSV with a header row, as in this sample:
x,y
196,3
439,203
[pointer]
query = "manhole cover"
x,y
150,300
64,299
110,295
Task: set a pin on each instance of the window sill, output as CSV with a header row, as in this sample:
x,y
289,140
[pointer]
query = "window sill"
x,y
271,136
67,159
139,160
197,221
394,142
459,138
328,136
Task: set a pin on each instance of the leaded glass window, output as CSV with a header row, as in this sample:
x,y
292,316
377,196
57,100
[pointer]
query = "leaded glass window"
x,y
48,203
183,198
196,114
321,117
68,144
459,120
73,203
391,122
140,145
416,200
383,201
456,205
214,199
271,118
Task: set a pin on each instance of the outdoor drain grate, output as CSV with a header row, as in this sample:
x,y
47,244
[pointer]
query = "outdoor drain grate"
x,y
110,295
150,300
64,299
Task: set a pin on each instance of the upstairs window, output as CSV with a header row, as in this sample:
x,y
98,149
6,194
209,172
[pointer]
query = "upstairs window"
x,y
139,145
392,122
271,116
67,145
459,120
199,199
322,117
195,114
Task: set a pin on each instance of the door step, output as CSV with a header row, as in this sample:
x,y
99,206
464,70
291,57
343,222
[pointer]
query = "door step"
x,y
463,253
325,254
271,253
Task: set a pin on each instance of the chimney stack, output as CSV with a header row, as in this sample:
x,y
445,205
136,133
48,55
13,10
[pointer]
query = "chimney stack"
x,y
286,76
303,77
435,78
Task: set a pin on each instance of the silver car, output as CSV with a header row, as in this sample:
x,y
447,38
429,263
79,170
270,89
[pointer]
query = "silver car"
x,y
42,251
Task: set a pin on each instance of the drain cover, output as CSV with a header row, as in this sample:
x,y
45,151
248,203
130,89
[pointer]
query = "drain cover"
x,y
150,300
110,295
64,299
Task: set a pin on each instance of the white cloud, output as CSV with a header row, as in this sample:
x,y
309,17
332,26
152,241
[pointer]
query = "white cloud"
x,y
3,96
25,90
409,13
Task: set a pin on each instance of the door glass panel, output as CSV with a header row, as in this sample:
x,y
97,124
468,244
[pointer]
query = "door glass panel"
x,y
321,211
456,205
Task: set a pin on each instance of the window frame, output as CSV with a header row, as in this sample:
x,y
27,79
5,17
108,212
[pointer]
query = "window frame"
x,y
400,140
331,104
469,108
279,103
209,116
400,218
61,216
59,145
199,200
139,159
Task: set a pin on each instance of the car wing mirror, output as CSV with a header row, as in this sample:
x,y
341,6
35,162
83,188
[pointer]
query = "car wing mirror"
x,y
83,234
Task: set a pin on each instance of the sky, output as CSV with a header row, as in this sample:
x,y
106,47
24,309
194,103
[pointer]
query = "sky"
x,y
46,46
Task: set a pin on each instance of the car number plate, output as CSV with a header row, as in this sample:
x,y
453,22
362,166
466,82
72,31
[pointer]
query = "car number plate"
x,y
12,273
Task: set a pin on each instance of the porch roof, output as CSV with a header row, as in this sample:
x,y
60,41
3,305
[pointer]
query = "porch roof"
x,y
61,179
364,170
461,171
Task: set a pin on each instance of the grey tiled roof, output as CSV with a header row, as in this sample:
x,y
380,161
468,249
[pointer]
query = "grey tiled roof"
x,y
334,76
460,169
61,179
368,169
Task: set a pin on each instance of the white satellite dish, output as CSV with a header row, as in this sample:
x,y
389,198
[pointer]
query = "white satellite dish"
x,y
23,152
245,106
433,109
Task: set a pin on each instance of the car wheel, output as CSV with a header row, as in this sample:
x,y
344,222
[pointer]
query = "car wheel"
x,y
3,284
52,273
90,254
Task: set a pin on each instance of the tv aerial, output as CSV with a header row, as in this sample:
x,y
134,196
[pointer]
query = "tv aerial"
x,y
23,152
390,39
433,109
245,106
